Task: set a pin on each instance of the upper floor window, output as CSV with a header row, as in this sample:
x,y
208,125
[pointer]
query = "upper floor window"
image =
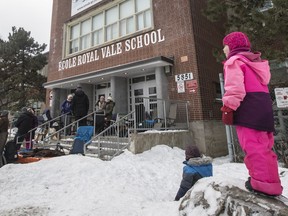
x,y
120,20
268,4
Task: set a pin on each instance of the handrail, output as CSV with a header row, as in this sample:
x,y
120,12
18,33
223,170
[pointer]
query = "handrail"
x,y
94,113
41,125
102,133
119,131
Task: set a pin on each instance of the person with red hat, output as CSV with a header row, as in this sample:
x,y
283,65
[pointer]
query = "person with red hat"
x,y
247,105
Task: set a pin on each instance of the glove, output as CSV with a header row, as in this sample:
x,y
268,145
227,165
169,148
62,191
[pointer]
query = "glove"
x,y
227,115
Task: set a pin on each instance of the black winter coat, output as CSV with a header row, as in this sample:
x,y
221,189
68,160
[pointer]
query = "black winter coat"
x,y
4,124
80,103
25,122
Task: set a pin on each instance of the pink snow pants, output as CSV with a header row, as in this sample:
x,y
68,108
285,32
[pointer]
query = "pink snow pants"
x,y
260,160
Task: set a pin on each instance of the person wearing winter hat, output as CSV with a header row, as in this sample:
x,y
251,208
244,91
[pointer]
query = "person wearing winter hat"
x,y
109,107
24,123
80,106
247,105
196,167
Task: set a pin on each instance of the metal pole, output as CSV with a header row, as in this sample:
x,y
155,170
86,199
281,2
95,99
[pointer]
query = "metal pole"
x,y
227,127
187,115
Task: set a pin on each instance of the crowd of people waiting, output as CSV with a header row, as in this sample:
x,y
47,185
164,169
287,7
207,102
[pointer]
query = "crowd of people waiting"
x,y
74,108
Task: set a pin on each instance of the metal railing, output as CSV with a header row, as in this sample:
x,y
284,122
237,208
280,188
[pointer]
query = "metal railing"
x,y
111,141
148,114
281,134
160,114
60,134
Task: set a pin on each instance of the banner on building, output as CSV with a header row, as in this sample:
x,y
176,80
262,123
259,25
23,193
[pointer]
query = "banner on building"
x,y
80,5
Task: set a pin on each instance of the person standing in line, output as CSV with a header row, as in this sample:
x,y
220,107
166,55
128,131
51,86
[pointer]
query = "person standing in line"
x,y
196,167
66,109
30,136
80,106
110,104
101,104
247,105
4,125
24,123
100,111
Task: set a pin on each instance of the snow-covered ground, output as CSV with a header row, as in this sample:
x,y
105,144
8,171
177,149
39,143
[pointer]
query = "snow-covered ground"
x,y
129,185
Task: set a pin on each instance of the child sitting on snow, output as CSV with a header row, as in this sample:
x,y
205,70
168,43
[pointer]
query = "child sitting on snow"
x,y
196,167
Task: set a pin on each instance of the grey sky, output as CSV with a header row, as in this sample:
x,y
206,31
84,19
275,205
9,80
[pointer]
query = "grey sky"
x,y
32,15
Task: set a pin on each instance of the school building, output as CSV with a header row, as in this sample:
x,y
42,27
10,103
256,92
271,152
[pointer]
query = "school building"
x,y
151,48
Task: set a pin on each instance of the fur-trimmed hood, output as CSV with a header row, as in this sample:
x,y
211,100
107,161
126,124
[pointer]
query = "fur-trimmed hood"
x,y
198,161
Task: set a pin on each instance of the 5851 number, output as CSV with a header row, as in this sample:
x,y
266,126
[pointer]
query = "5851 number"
x,y
183,77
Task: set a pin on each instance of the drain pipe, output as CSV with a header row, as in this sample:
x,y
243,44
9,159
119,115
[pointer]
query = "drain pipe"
x,y
227,127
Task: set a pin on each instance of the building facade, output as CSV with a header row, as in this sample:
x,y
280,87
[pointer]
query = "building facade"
x,y
152,48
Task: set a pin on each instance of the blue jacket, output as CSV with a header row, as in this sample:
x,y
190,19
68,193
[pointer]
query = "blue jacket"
x,y
195,169
66,107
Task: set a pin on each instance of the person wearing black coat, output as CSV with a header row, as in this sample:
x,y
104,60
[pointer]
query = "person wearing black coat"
x,y
24,123
80,106
4,125
30,136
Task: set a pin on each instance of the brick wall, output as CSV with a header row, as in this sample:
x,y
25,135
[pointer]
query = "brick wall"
x,y
177,21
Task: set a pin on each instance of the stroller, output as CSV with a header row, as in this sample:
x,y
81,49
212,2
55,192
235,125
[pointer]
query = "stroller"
x,y
83,136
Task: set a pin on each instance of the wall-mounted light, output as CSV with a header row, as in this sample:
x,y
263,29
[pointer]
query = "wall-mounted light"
x,y
168,69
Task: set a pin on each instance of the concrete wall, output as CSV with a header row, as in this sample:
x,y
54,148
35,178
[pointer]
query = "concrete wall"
x,y
145,141
211,143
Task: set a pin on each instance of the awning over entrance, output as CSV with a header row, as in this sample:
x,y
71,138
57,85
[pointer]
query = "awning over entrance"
x,y
126,70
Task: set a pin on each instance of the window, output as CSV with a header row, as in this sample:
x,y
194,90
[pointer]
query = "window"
x,y
150,77
118,21
138,79
74,35
103,85
97,29
85,34
218,91
268,4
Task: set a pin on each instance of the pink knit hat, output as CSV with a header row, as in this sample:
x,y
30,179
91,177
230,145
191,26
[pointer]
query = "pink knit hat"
x,y
236,40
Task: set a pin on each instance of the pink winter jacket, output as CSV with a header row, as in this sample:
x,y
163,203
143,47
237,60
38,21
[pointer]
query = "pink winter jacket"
x,y
246,77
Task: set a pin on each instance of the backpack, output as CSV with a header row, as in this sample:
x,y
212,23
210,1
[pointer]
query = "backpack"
x,y
10,152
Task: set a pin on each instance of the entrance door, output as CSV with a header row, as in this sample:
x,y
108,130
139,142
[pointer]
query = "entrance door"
x,y
143,90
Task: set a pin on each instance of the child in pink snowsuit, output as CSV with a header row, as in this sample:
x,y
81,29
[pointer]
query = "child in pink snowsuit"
x,y
247,104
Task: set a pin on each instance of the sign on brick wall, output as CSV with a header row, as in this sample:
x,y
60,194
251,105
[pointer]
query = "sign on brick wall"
x,y
180,87
183,77
281,95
